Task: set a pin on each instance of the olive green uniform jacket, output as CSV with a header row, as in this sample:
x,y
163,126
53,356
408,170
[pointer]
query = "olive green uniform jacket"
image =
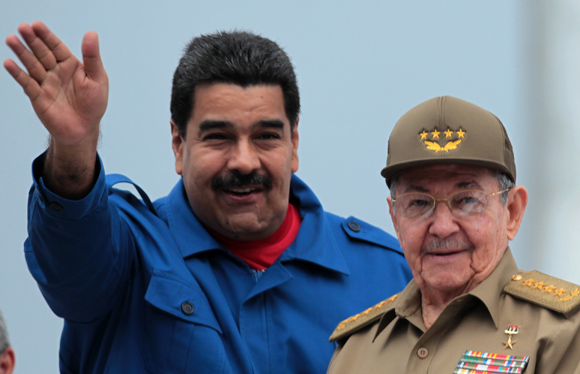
x,y
391,337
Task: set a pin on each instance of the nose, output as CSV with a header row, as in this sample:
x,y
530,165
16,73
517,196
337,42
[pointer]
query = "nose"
x,y
444,222
243,158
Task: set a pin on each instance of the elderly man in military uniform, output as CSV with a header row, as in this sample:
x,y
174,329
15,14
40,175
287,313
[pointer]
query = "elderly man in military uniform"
x,y
468,309
7,356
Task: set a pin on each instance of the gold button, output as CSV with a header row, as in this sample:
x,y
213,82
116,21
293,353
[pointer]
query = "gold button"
x,y
422,352
517,277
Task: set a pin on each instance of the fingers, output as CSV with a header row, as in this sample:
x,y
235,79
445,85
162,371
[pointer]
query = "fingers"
x,y
45,52
41,51
59,50
30,86
30,62
92,57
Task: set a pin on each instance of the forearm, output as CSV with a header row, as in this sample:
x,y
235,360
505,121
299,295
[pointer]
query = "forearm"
x,y
70,170
80,252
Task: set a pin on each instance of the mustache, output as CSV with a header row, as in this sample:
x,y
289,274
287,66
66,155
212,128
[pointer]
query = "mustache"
x,y
447,243
241,180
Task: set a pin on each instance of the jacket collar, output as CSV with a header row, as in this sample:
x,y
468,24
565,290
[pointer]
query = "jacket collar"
x,y
491,289
314,243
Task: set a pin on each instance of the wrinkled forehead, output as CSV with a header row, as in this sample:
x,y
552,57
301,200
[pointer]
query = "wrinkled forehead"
x,y
445,177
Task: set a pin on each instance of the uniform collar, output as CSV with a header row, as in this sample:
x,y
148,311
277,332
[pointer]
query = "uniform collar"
x,y
314,243
491,289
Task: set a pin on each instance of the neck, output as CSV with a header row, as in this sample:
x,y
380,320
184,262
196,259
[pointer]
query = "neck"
x,y
433,302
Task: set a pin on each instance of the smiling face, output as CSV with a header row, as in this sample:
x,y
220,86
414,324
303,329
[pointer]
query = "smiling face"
x,y
450,255
237,159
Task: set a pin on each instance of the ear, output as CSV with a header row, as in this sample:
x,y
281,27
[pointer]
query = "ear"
x,y
516,205
295,140
7,361
178,145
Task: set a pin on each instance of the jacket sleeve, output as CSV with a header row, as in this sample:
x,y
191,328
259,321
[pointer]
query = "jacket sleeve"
x,y
79,251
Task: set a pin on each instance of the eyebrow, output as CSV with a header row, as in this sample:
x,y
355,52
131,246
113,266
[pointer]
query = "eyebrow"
x,y
468,184
415,188
271,123
460,185
209,125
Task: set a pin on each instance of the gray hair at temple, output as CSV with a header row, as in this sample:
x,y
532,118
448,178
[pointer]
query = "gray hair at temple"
x,y
4,341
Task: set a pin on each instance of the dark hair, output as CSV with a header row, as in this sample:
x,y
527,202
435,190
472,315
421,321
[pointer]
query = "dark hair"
x,y
237,57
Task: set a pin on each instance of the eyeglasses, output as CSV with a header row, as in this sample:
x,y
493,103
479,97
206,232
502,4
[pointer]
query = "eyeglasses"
x,y
461,203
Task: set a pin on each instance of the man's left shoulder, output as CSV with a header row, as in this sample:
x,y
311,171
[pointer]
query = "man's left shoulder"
x,y
544,290
358,230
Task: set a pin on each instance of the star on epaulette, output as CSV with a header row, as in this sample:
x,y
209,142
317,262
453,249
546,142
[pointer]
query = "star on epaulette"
x,y
541,289
362,319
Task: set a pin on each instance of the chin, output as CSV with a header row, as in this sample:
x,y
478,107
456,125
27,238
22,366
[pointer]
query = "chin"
x,y
447,284
246,230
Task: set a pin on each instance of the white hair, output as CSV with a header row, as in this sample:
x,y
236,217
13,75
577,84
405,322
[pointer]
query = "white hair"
x,y
4,341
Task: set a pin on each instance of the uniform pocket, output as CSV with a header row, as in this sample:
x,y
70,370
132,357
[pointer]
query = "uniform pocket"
x,y
183,335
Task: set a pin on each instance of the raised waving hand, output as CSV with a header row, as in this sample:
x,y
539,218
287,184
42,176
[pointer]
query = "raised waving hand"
x,y
69,97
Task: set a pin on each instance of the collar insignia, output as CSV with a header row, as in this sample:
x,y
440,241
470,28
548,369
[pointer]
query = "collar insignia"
x,y
452,139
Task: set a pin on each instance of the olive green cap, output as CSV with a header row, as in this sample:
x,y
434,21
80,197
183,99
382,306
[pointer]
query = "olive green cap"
x,y
448,130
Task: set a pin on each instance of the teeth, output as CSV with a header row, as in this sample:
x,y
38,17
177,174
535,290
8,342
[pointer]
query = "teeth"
x,y
244,190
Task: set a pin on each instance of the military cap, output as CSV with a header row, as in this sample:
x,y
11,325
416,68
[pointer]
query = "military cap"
x,y
446,129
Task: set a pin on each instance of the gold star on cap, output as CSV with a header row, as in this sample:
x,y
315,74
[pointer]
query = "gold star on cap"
x,y
448,133
435,134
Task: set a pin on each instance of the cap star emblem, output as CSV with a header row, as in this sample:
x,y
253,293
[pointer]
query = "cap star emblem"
x,y
435,134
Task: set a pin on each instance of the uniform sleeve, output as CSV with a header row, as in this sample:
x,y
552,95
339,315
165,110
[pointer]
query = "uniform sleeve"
x,y
79,251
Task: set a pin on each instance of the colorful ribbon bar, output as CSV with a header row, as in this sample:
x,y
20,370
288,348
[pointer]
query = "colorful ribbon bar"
x,y
475,362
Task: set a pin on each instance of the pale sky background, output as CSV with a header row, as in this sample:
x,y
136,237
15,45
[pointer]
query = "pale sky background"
x,y
360,66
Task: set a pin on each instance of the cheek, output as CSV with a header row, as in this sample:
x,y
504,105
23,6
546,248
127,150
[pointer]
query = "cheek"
x,y
411,240
485,236
279,167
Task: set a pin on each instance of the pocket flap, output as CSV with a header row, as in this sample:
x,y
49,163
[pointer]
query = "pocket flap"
x,y
183,300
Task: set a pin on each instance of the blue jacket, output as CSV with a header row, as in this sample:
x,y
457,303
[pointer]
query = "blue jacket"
x,y
144,288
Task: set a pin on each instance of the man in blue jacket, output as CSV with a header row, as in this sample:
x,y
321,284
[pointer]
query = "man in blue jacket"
x,y
238,269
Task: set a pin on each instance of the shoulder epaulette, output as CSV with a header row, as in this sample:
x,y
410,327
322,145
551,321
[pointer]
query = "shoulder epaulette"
x,y
541,289
360,320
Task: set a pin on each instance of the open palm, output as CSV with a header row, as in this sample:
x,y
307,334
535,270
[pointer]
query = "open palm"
x,y
69,96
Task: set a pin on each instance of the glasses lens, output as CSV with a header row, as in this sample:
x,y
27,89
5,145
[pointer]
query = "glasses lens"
x,y
414,205
468,203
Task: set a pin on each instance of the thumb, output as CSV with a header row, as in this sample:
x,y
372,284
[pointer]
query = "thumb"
x,y
92,57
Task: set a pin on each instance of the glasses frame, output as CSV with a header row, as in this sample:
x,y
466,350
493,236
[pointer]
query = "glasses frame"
x,y
446,199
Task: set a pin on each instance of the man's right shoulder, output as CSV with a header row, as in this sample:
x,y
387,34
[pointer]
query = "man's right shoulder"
x,y
352,324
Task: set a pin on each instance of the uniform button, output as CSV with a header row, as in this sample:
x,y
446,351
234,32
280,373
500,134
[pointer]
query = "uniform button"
x,y
517,277
422,352
56,207
354,226
187,308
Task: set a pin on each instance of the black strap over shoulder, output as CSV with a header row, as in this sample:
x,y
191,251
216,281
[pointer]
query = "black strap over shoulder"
x,y
113,179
